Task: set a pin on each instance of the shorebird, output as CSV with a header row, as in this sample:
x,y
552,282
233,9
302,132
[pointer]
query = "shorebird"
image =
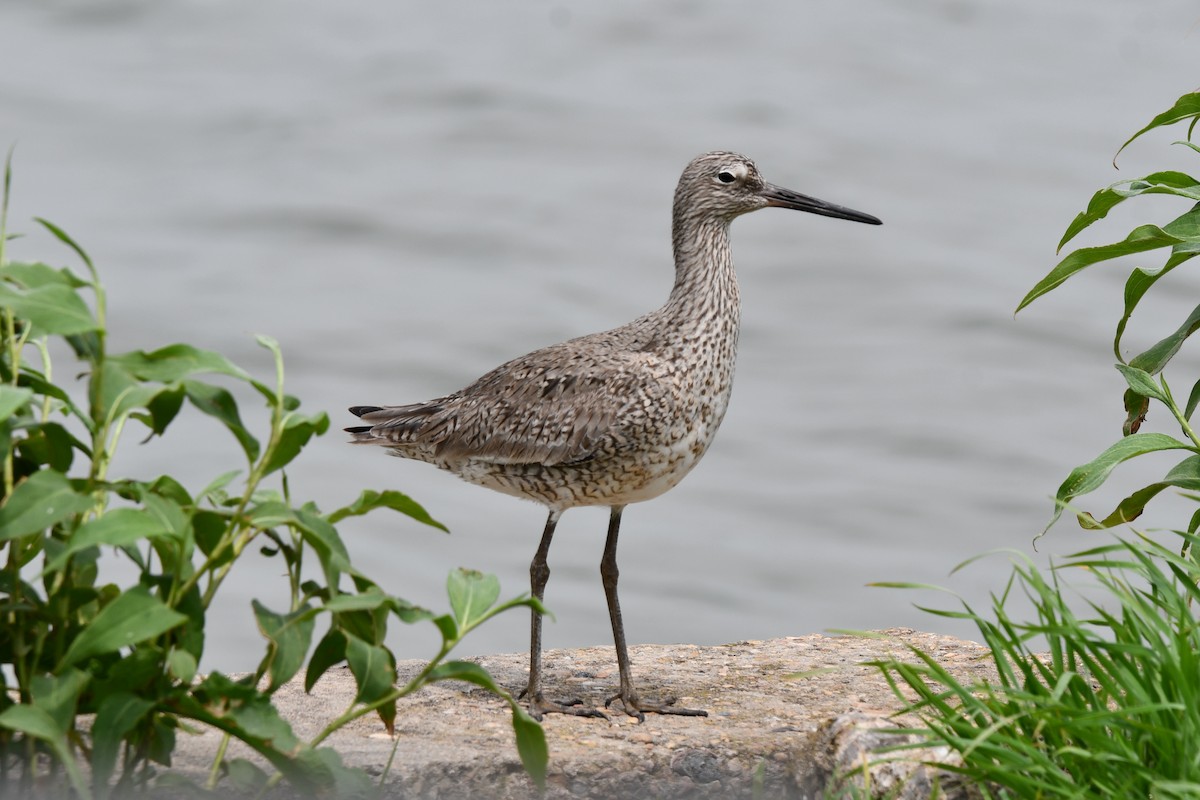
x,y
612,418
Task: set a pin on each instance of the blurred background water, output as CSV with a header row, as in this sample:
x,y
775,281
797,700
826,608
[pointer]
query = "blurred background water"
x,y
407,194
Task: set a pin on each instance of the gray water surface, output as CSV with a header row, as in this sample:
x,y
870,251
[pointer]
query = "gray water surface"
x,y
407,194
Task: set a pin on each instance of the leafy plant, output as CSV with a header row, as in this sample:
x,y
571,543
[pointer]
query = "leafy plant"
x,y
1113,708
1181,238
71,645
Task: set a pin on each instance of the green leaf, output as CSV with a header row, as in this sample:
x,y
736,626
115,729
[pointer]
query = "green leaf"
x,y
531,745
1143,238
1185,107
118,714
11,399
220,404
58,695
246,778
329,651
133,617
1192,401
1103,201
119,528
374,669
297,430
1140,281
182,665
176,362
51,309
1184,475
1141,382
471,595
531,739
332,778
32,721
1090,476
31,275
467,671
1155,358
370,500
290,636
41,500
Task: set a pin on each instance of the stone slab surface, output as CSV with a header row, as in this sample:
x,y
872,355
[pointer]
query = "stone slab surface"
x,y
766,736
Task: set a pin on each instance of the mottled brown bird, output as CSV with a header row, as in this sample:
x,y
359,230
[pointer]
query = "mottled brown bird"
x,y
612,418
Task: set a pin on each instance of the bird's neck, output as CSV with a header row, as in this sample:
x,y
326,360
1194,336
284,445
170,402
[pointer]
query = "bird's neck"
x,y
705,283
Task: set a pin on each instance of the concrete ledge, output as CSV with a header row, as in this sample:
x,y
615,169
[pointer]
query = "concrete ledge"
x,y
788,736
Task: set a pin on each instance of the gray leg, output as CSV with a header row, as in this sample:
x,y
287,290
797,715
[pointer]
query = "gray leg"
x,y
539,574
628,695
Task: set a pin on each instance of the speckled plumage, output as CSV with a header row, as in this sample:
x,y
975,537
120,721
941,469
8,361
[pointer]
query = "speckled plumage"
x,y
611,418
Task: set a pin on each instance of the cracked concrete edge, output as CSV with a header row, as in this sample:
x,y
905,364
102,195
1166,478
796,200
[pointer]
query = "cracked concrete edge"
x,y
768,735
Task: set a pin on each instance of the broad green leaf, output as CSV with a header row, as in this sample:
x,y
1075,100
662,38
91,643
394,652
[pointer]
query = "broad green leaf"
x,y
1140,281
51,445
12,398
1155,358
162,409
531,745
182,665
329,651
1141,382
472,593
374,669
1185,107
32,721
242,712
1090,476
176,362
58,695
324,539
297,430
290,636
331,778
368,601
1143,238
467,671
31,275
51,309
531,739
35,722
1103,201
41,500
246,778
370,500
118,714
1184,475
220,404
132,617
118,528
447,627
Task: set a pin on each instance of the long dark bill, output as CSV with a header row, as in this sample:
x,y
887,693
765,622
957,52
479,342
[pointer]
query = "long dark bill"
x,y
785,198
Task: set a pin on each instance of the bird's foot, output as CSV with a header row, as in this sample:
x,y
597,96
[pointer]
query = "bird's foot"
x,y
638,709
540,706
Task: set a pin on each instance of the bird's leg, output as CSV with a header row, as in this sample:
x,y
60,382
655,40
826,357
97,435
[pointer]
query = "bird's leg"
x,y
539,574
630,702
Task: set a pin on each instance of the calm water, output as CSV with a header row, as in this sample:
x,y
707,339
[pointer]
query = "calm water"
x,y
407,194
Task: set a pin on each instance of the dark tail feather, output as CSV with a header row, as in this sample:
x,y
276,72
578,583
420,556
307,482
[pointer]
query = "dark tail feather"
x,y
358,411
358,429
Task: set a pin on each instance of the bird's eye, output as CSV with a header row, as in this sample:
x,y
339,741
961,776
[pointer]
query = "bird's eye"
x,y
725,176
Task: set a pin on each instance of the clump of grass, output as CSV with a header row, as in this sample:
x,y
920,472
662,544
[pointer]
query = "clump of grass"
x,y
1104,704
